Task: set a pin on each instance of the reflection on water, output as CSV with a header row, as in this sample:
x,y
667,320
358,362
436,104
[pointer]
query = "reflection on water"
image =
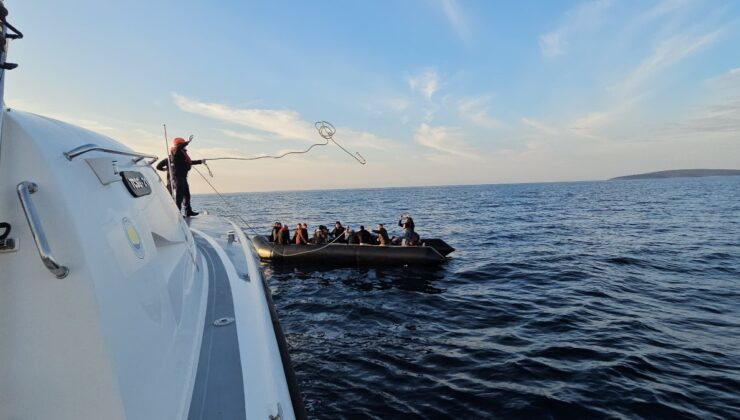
x,y
416,279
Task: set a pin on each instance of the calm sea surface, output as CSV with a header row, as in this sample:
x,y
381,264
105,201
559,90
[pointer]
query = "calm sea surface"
x,y
590,299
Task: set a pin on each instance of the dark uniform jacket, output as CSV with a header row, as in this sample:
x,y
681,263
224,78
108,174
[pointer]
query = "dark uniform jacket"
x,y
181,162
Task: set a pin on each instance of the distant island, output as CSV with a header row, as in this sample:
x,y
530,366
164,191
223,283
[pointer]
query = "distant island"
x,y
682,173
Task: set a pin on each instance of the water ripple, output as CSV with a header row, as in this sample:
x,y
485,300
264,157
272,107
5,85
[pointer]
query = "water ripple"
x,y
574,300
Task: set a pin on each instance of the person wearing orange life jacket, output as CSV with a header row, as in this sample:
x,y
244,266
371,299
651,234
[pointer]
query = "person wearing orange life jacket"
x,y
181,164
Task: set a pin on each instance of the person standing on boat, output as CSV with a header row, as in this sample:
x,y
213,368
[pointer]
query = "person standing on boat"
x,y
181,165
407,223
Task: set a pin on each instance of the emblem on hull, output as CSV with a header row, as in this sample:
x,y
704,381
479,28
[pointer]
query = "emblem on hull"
x,y
133,237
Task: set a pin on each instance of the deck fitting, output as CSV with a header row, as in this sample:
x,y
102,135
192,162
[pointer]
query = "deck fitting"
x,y
222,322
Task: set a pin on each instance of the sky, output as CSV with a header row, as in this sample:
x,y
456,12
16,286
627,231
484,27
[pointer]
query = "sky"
x,y
435,92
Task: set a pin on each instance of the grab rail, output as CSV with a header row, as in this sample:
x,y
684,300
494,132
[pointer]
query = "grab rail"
x,y
25,189
94,147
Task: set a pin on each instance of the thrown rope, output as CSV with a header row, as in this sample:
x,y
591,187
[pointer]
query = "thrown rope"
x,y
254,231
326,131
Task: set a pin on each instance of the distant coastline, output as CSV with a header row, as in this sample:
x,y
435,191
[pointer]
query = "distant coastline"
x,y
682,173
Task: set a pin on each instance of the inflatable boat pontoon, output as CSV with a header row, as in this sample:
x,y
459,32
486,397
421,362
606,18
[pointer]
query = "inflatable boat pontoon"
x,y
434,251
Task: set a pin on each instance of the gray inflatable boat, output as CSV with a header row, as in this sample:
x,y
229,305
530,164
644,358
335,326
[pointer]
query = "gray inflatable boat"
x,y
433,251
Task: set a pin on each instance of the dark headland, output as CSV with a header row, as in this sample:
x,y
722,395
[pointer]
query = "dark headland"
x,y
683,173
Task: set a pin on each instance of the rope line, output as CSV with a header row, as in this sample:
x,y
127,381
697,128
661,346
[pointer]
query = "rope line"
x,y
254,231
326,131
236,212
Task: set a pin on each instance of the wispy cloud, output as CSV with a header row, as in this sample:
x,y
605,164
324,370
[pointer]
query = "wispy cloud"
x,y
284,124
276,124
216,152
664,7
397,104
588,125
425,83
243,135
444,139
668,52
477,110
541,127
722,117
90,124
726,79
457,20
363,140
555,43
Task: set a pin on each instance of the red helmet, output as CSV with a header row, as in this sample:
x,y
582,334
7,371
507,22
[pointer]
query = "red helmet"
x,y
177,141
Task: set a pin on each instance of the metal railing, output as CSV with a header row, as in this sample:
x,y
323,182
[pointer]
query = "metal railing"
x,y
94,147
25,189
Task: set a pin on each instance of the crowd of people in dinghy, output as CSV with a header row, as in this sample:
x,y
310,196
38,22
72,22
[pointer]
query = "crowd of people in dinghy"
x,y
345,234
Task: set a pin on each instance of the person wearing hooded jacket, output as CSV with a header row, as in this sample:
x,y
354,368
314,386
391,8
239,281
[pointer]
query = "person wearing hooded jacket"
x,y
181,165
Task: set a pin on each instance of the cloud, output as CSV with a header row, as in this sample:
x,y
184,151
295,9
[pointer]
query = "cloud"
x,y
242,135
666,54
587,125
722,117
733,73
444,139
726,79
425,83
456,19
284,124
397,104
476,110
362,140
555,43
541,127
663,8
217,152
278,124
87,123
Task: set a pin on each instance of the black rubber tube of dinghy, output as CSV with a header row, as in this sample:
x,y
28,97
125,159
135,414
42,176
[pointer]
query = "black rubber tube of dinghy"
x,y
295,391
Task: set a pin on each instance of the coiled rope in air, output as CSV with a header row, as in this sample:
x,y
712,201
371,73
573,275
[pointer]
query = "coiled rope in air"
x,y
326,131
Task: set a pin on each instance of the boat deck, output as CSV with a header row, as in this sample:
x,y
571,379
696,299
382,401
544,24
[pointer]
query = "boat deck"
x,y
236,346
219,388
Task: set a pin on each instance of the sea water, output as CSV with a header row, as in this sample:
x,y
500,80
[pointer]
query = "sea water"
x,y
586,299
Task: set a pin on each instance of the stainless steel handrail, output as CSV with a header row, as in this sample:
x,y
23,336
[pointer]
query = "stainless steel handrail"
x,y
94,147
25,189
